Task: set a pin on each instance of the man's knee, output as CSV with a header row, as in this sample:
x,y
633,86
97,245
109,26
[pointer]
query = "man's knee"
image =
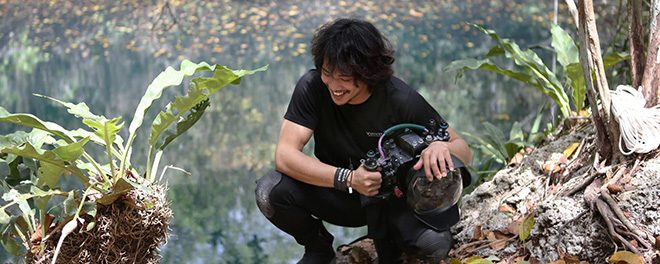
x,y
432,245
264,188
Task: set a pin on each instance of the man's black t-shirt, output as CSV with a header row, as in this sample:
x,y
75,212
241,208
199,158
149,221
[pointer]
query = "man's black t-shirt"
x,y
347,132
343,134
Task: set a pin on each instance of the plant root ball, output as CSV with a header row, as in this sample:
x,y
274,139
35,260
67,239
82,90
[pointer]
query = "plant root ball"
x,y
130,230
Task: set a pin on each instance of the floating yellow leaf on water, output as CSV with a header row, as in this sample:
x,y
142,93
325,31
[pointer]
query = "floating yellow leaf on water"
x,y
230,25
161,51
501,117
414,13
470,44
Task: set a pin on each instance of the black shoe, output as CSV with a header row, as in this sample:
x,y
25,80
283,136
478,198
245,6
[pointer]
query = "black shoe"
x,y
320,251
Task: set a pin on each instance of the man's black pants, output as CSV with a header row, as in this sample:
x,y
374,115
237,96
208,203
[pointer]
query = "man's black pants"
x,y
297,208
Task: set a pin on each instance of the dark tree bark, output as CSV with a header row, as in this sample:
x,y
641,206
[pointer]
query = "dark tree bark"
x,y
651,79
637,43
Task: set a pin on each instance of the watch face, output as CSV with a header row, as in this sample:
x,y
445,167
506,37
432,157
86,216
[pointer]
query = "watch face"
x,y
424,195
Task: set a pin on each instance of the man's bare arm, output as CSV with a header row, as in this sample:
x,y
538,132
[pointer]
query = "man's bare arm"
x,y
290,160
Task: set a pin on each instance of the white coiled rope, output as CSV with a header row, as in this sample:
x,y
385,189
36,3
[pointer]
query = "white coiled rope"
x,y
640,126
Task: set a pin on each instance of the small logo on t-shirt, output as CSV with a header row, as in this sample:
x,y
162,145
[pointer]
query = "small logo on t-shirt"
x,y
374,134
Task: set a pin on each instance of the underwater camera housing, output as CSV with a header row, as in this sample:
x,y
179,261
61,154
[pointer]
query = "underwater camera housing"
x,y
398,150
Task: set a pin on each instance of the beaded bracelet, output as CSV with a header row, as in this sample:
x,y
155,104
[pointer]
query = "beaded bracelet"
x,y
341,174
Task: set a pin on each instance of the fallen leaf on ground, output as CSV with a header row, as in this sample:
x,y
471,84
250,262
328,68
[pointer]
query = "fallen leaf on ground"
x,y
505,208
614,188
514,227
517,158
569,151
534,261
498,244
478,235
554,165
626,257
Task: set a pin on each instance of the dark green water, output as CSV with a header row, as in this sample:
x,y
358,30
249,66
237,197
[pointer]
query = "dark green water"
x,y
106,54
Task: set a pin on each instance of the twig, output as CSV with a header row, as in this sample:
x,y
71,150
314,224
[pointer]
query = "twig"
x,y
617,176
582,185
634,169
574,218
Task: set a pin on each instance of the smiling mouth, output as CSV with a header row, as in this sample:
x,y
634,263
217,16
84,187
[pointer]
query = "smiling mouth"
x,y
340,93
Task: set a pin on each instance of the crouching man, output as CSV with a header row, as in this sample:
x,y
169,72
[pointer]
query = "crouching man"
x,y
346,103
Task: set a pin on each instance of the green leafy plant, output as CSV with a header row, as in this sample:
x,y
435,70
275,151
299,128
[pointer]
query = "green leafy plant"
x,y
497,150
33,162
534,72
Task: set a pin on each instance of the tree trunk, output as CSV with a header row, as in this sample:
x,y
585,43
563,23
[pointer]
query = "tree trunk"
x,y
637,43
574,13
594,76
651,79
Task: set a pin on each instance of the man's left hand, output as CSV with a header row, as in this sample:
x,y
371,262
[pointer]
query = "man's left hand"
x,y
433,159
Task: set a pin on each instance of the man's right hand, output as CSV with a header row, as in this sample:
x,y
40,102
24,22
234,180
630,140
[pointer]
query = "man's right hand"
x,y
366,182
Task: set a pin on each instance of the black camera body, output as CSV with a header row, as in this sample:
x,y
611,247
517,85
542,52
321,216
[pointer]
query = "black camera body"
x,y
398,153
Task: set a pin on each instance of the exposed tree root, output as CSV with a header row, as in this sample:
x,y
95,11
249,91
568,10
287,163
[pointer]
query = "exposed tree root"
x,y
618,225
608,217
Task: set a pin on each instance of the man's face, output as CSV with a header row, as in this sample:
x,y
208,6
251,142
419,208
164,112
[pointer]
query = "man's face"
x,y
343,88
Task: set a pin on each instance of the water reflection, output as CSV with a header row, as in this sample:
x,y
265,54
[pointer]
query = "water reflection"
x,y
106,54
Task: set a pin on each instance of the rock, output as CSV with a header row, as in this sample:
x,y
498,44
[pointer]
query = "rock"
x,y
564,226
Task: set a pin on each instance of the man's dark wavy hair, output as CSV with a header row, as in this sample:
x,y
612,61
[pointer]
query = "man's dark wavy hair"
x,y
354,47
